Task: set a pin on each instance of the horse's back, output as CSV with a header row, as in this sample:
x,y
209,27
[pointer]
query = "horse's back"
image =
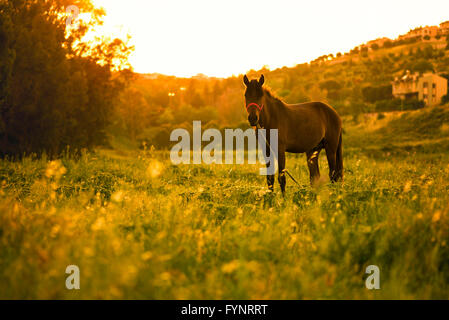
x,y
327,113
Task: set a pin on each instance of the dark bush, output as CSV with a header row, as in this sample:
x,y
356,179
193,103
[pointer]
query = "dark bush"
x,y
399,105
388,105
373,94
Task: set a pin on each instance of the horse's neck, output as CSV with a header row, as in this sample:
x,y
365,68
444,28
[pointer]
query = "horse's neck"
x,y
271,112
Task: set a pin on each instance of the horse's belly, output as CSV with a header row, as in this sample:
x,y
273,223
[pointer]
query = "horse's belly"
x,y
297,149
305,145
305,134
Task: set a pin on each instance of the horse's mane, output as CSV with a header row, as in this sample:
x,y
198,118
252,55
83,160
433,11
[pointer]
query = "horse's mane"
x,y
272,95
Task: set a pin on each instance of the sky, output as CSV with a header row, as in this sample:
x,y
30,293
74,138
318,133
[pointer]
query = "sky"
x,y
224,38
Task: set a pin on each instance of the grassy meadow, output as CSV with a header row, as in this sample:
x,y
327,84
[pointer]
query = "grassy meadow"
x,y
139,227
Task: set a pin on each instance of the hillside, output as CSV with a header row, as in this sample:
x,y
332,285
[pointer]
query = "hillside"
x,y
406,133
357,82
354,83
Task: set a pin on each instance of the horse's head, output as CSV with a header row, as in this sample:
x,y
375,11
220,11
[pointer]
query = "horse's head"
x,y
253,99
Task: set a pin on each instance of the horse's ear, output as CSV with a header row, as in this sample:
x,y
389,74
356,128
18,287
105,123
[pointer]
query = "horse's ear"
x,y
246,80
262,80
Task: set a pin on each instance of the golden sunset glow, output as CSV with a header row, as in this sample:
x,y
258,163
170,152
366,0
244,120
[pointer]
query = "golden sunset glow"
x,y
221,150
221,38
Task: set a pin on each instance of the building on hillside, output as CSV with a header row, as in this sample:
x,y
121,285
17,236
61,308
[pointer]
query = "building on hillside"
x,y
444,27
200,76
380,42
150,76
431,31
429,87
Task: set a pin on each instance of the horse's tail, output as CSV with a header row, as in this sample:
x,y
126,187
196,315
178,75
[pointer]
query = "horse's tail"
x,y
339,156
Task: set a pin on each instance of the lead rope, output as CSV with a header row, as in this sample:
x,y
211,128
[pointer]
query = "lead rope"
x,y
285,171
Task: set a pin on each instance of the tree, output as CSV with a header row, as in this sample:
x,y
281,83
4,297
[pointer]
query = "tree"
x,y
330,85
373,94
54,93
422,66
355,50
133,111
445,99
388,44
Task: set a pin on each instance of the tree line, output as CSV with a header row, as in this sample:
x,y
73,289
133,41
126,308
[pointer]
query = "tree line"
x,y
56,91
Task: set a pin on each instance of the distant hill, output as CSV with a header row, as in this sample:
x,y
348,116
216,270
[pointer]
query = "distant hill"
x,y
354,83
360,80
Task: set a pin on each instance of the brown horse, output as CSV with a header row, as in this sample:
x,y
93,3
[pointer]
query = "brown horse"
x,y
302,128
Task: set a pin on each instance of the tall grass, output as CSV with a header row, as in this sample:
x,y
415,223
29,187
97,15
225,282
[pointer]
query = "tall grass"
x,y
139,227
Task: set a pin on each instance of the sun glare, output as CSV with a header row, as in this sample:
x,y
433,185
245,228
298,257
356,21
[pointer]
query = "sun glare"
x,y
222,38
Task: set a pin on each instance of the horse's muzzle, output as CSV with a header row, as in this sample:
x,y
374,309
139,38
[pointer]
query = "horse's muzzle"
x,y
253,120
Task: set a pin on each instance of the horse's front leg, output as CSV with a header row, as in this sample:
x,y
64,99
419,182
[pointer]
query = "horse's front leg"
x,y
266,151
267,154
270,182
281,178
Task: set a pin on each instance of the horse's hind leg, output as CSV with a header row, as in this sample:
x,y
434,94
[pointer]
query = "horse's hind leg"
x,y
339,159
270,182
331,154
312,163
